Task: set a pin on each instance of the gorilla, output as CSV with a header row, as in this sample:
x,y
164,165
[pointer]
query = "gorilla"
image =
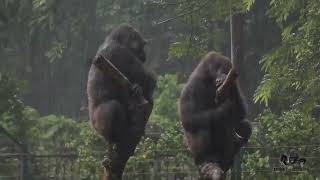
x,y
112,113
215,127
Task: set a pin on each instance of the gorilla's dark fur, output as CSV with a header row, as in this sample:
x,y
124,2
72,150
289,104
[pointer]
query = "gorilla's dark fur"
x,y
205,121
109,110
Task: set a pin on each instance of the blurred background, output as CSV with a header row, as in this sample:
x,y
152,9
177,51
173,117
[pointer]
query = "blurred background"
x,y
46,47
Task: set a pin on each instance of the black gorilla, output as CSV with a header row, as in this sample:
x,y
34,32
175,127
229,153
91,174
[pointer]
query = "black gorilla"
x,y
213,128
111,113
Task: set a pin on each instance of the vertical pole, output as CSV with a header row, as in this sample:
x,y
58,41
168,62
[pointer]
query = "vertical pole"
x,y
25,173
156,169
237,56
21,167
231,31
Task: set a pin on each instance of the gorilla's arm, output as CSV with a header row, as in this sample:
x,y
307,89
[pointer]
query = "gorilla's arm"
x,y
205,118
125,61
99,87
239,105
228,88
149,84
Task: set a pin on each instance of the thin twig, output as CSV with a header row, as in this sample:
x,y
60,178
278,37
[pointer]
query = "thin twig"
x,y
183,14
177,3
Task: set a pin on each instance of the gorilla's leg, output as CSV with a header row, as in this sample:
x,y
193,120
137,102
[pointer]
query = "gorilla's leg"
x,y
211,171
244,129
207,155
212,167
109,119
231,147
129,140
139,117
199,144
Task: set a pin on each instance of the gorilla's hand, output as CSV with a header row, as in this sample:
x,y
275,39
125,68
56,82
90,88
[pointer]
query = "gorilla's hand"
x,y
136,90
137,99
220,80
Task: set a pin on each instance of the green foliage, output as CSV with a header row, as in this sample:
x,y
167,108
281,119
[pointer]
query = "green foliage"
x,y
290,87
10,93
88,146
12,113
292,70
45,134
167,138
276,135
291,128
186,48
166,96
254,163
248,4
56,52
66,33
52,134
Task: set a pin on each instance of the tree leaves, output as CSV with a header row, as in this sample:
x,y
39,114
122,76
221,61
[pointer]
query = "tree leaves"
x,y
292,81
295,59
248,4
56,52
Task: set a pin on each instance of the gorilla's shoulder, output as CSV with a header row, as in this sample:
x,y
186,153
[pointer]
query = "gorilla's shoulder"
x,y
216,57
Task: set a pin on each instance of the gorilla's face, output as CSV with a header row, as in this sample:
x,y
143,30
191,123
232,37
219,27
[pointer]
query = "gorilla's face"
x,y
136,45
293,156
130,38
221,75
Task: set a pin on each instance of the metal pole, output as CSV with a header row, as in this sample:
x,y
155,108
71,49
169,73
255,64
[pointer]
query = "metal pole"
x,y
231,31
236,31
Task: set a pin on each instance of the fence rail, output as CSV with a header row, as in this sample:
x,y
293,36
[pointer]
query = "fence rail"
x,y
21,166
68,166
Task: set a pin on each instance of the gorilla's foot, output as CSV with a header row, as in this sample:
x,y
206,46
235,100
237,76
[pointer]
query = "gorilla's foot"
x,y
109,175
212,171
106,163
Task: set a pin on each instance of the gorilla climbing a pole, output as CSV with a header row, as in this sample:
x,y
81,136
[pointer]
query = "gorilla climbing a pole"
x,y
213,115
120,92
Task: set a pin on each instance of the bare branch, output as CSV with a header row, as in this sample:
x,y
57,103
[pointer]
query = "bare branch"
x,y
183,14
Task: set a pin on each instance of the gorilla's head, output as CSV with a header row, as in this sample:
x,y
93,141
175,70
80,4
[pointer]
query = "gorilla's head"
x,y
130,38
293,156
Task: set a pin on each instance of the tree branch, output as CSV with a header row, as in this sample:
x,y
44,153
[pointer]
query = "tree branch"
x,y
10,136
183,14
